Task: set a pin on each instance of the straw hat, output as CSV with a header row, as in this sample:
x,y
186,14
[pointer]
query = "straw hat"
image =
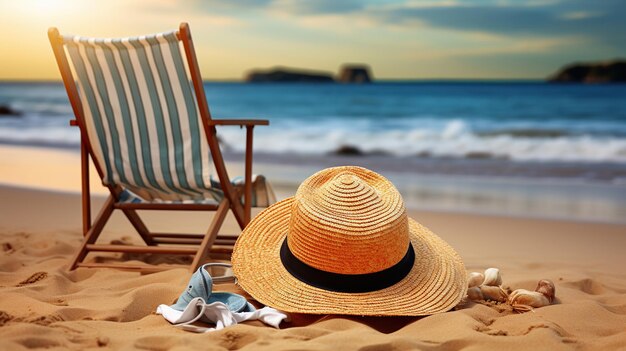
x,y
345,245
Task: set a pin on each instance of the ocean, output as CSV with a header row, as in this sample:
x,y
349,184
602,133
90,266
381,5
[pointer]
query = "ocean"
x,y
506,146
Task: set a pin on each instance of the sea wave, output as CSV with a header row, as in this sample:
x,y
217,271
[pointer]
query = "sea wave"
x,y
526,133
426,138
455,140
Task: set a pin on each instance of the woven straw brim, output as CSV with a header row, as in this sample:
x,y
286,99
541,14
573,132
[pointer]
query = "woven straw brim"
x,y
436,283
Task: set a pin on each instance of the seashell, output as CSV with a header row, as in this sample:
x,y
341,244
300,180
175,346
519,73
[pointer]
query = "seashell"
x,y
475,294
546,287
475,279
492,277
493,293
523,300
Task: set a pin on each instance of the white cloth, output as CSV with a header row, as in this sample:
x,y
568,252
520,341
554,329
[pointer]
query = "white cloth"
x,y
216,313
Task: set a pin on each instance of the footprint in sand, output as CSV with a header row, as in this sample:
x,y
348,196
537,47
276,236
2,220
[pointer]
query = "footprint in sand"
x,y
7,247
35,277
5,318
588,286
41,320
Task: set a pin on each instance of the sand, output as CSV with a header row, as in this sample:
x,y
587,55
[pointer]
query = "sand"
x,y
42,305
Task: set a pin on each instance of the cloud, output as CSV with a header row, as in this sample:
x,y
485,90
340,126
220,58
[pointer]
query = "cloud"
x,y
222,6
319,7
577,15
598,20
479,18
293,7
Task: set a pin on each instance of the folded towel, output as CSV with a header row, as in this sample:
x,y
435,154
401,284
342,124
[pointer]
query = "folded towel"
x,y
216,313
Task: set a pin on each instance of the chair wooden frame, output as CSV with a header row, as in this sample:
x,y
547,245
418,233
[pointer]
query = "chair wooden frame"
x,y
210,242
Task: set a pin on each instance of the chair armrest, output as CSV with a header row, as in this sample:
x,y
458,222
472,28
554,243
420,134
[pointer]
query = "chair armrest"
x,y
249,124
239,122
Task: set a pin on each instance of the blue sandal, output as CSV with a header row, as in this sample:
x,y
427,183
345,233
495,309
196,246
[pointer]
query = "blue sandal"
x,y
201,285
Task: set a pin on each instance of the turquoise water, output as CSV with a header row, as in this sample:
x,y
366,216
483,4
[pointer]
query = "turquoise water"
x,y
515,148
515,121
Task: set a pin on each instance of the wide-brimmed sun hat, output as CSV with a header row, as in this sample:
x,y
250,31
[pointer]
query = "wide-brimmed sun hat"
x,y
345,245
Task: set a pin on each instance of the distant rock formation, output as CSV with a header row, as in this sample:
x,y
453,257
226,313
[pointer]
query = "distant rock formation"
x,y
8,111
347,74
355,74
288,75
592,72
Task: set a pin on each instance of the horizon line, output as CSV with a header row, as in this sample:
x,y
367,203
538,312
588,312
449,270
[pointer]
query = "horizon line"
x,y
374,81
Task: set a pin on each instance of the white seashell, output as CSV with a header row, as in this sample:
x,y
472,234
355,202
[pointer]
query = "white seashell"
x,y
523,300
475,279
546,287
475,294
492,277
493,293
514,295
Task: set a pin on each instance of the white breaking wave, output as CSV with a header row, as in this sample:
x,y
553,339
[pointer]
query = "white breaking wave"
x,y
455,140
50,135
451,139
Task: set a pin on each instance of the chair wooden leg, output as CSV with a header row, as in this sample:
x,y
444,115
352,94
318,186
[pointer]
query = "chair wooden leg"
x,y
139,225
247,204
211,235
86,194
237,208
94,232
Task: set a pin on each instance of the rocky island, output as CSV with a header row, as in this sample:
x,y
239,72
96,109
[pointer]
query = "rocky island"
x,y
354,74
592,72
348,74
288,75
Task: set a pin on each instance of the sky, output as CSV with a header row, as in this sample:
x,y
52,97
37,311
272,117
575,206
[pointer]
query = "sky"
x,y
399,39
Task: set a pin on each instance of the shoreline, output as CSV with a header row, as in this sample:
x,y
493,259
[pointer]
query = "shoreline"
x,y
609,173
561,199
574,172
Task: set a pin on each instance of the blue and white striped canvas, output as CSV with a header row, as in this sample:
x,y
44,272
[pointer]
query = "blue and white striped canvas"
x,y
142,117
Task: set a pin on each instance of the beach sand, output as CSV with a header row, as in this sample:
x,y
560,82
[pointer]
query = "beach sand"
x,y
42,305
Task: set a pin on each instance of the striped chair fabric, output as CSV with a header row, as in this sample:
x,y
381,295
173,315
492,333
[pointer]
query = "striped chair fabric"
x,y
142,118
262,193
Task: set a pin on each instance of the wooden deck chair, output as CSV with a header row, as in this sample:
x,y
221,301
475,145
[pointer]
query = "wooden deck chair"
x,y
143,116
